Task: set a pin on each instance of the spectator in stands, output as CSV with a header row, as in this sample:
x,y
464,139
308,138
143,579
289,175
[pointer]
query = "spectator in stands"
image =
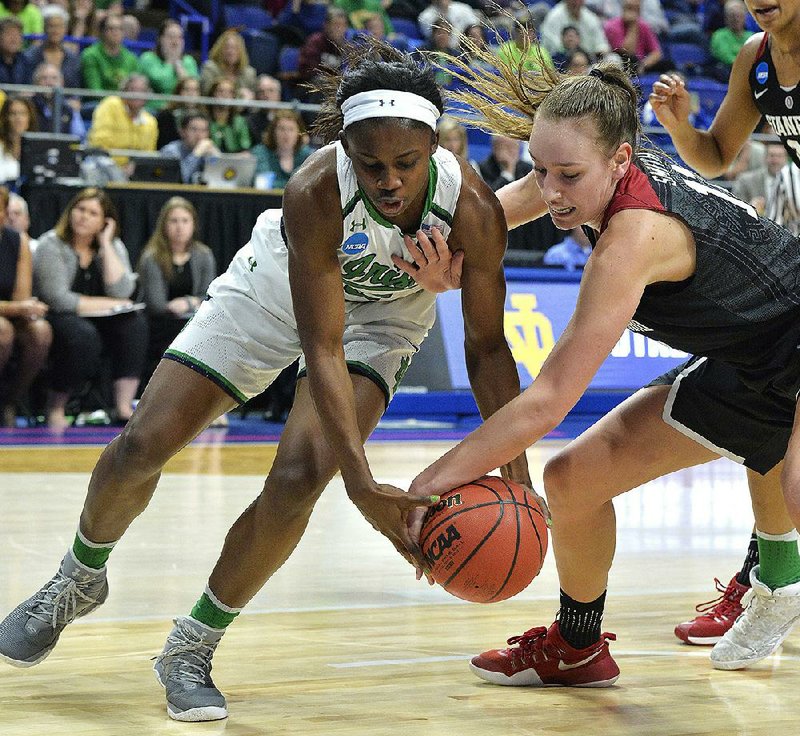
x,y
570,41
268,89
439,47
17,116
53,51
167,64
131,27
228,128
18,218
70,121
453,137
169,119
228,59
631,38
571,253
523,44
27,13
359,10
573,13
124,123
22,323
14,68
323,47
504,165
82,270
760,186
193,147
106,63
727,42
578,62
373,27
283,149
109,8
459,17
175,270
303,16
83,19
652,12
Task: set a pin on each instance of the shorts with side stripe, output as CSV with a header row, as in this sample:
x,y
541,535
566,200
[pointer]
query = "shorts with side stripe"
x,y
710,402
243,345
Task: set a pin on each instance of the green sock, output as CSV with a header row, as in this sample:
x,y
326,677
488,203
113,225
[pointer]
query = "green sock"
x,y
209,610
779,560
91,554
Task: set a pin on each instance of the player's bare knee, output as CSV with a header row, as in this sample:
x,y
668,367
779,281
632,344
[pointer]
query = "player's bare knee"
x,y
293,489
560,483
141,447
6,335
790,482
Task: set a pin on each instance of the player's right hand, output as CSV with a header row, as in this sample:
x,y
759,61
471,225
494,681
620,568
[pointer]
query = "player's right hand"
x,y
670,101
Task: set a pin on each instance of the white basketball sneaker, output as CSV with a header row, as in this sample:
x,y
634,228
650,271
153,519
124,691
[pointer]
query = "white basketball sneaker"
x,y
768,617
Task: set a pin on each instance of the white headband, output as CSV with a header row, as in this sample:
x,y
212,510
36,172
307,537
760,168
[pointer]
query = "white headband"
x,y
389,103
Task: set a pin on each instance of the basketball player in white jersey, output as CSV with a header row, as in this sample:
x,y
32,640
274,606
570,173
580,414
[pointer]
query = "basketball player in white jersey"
x,y
329,277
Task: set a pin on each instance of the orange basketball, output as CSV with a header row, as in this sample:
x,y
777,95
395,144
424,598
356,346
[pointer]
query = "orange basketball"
x,y
485,541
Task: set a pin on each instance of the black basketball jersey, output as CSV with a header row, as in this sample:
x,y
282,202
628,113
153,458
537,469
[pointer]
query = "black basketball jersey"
x,y
745,292
779,105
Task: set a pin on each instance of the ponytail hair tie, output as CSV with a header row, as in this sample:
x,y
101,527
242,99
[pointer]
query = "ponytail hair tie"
x,y
598,73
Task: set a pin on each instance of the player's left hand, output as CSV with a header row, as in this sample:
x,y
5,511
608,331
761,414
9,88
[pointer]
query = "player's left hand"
x,y
387,509
435,268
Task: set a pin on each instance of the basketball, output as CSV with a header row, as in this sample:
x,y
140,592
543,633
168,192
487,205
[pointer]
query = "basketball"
x,y
485,541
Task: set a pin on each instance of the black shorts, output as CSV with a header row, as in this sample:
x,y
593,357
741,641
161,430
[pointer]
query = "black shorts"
x,y
711,402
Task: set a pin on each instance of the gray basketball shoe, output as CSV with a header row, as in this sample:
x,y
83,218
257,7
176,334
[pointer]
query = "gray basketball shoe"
x,y
184,670
30,632
767,619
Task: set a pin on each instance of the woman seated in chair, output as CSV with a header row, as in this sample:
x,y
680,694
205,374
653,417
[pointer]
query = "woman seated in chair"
x,y
83,273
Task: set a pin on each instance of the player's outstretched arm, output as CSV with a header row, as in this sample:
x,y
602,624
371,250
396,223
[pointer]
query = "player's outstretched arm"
x,y
710,152
318,299
435,268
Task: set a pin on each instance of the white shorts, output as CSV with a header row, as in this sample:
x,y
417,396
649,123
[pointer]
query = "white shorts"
x,y
244,334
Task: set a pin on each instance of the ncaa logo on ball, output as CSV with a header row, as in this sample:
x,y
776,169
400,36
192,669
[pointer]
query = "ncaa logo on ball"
x,y
762,73
355,244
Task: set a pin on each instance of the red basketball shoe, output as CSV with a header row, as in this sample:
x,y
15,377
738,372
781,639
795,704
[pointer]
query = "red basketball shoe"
x,y
717,616
544,659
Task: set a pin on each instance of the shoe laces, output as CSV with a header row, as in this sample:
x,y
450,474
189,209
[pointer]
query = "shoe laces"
x,y
530,646
189,657
727,605
534,647
58,604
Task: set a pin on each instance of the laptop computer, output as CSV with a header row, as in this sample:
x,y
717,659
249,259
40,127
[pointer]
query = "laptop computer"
x,y
154,168
49,156
229,171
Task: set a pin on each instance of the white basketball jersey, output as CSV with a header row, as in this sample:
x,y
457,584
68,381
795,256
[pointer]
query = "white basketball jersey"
x,y
369,239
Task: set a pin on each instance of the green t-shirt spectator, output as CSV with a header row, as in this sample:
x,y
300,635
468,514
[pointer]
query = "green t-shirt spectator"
x,y
357,9
30,17
162,75
101,71
510,52
231,137
267,161
725,44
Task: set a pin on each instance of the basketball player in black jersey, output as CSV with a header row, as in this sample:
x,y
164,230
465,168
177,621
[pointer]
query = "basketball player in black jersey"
x,y
764,82
688,264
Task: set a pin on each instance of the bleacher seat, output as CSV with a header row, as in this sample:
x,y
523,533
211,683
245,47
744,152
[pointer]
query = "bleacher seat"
x,y
406,26
246,16
289,60
689,58
263,48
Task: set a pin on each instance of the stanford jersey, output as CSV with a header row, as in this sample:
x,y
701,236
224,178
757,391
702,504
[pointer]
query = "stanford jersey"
x,y
780,105
745,294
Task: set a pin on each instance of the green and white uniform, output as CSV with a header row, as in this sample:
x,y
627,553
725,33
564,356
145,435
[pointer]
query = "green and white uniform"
x,y
245,333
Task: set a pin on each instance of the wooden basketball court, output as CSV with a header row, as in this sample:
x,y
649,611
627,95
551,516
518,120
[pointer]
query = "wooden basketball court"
x,y
343,640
